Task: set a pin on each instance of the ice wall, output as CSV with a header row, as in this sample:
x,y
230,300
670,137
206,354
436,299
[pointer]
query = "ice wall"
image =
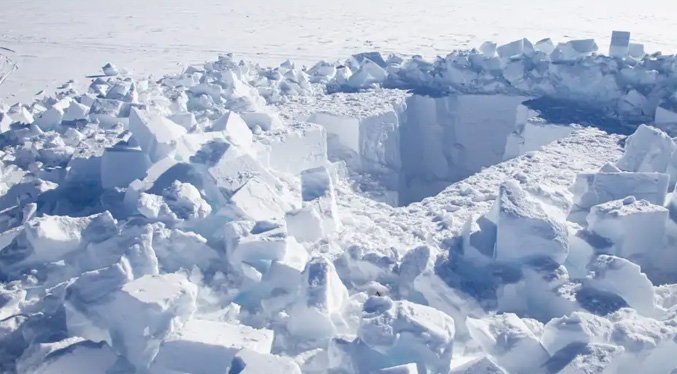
x,y
447,139
403,149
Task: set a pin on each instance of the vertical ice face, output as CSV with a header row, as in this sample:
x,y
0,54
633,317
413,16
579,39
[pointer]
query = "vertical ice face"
x,y
447,139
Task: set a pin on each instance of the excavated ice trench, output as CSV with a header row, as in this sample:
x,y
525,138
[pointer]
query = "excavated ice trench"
x,y
402,148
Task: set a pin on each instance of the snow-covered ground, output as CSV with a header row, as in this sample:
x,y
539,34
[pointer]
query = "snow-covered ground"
x,y
55,41
505,210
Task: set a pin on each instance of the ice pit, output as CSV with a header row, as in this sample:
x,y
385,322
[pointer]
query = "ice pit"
x,y
401,147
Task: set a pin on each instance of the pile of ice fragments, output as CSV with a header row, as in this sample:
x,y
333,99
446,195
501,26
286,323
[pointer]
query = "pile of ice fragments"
x,y
629,84
182,226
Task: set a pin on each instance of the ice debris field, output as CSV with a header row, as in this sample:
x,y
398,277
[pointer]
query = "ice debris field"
x,y
507,209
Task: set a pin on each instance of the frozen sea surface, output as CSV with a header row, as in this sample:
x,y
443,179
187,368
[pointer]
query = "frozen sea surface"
x,y
58,40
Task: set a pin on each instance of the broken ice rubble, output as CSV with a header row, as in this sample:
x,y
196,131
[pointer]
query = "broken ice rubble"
x,y
186,225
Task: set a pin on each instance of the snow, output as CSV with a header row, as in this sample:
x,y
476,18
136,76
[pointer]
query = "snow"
x,y
480,212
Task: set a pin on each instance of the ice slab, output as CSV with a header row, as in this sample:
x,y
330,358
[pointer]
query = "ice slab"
x,y
54,238
648,149
121,165
176,249
625,279
620,44
202,147
154,207
545,46
587,359
144,312
49,119
509,341
318,216
488,49
5,122
577,328
574,50
369,74
93,285
235,128
636,50
258,200
265,241
72,356
108,112
399,369
76,112
634,227
666,116
514,49
525,230
482,365
110,70
186,201
209,347
318,313
649,344
593,189
410,331
294,148
156,135
248,361
185,119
